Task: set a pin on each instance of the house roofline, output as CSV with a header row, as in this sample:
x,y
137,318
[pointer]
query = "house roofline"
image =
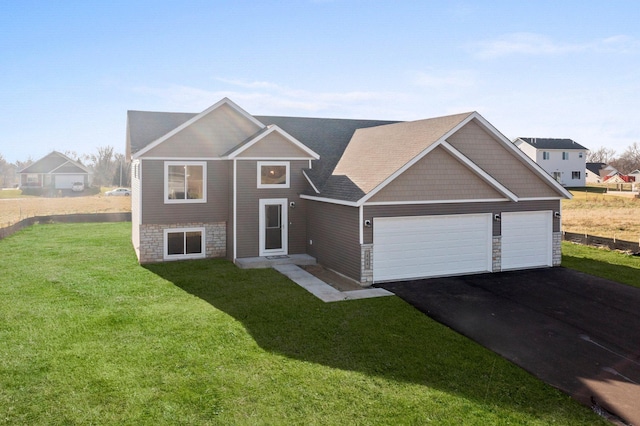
x,y
223,101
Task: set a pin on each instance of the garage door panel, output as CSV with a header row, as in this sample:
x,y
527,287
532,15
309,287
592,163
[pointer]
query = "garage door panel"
x,y
424,246
526,239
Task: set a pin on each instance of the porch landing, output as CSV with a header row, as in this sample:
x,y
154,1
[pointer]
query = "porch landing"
x,y
271,261
290,267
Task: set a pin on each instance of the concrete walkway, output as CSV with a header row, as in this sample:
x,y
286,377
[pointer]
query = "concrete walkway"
x,y
324,291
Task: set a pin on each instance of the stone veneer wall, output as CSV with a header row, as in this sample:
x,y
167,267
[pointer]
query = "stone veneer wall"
x,y
366,264
557,249
496,254
152,240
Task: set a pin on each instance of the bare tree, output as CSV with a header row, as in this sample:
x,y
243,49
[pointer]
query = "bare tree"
x,y
122,176
629,160
24,164
601,155
103,166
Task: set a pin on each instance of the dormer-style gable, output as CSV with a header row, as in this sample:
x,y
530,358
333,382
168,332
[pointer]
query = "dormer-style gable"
x,y
272,142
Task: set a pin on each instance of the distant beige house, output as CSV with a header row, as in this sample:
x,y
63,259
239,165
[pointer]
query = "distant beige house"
x,y
373,200
56,171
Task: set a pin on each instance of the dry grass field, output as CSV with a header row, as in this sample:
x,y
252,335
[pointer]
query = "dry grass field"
x,y
594,214
604,215
14,209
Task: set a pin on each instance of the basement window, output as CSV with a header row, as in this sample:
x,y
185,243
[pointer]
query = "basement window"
x,y
184,243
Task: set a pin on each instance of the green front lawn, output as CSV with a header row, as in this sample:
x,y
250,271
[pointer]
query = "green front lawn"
x,y
87,336
603,263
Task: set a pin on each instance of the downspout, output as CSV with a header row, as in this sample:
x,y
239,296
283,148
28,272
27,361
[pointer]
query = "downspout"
x,y
361,220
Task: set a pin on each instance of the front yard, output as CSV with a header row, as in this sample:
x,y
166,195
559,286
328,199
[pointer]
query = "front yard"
x,y
90,337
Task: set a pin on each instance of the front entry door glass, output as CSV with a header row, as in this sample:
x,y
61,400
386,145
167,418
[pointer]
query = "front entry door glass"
x,y
273,226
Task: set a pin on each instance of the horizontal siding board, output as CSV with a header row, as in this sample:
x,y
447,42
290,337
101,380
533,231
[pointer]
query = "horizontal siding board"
x,y
211,136
274,146
333,229
458,208
248,208
437,176
506,167
155,211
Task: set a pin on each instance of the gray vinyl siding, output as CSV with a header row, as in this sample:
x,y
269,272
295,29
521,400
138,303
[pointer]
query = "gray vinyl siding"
x,y
248,205
447,178
333,228
458,208
503,165
274,146
155,211
230,221
211,136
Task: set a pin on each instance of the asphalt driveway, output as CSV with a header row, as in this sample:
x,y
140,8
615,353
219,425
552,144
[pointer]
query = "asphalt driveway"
x,y
577,332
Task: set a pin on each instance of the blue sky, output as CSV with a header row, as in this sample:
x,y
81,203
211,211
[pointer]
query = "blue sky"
x,y
71,69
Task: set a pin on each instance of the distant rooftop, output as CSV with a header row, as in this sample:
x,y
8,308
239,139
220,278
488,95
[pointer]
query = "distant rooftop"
x,y
551,143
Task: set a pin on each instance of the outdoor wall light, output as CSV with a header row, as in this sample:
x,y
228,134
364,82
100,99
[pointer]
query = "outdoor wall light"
x,y
497,217
557,214
292,204
367,223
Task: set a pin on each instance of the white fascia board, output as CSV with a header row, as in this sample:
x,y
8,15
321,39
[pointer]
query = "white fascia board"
x,y
310,182
273,128
535,166
267,158
181,158
544,198
329,200
223,101
460,201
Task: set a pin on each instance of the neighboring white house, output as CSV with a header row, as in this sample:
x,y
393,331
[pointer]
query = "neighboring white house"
x,y
564,159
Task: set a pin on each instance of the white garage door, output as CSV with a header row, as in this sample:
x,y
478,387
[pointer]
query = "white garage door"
x,y
526,239
429,246
66,181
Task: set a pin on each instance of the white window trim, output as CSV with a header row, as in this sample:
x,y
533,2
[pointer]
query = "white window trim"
x,y
203,242
285,185
545,155
565,155
168,200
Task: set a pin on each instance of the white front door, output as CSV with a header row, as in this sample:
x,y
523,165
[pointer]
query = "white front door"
x,y
273,226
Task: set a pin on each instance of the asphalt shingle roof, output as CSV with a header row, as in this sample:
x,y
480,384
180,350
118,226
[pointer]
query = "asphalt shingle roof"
x,y
147,126
328,137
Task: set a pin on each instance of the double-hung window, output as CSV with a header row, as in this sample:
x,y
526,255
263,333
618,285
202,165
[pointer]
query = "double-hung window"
x,y
545,155
185,182
575,175
565,155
